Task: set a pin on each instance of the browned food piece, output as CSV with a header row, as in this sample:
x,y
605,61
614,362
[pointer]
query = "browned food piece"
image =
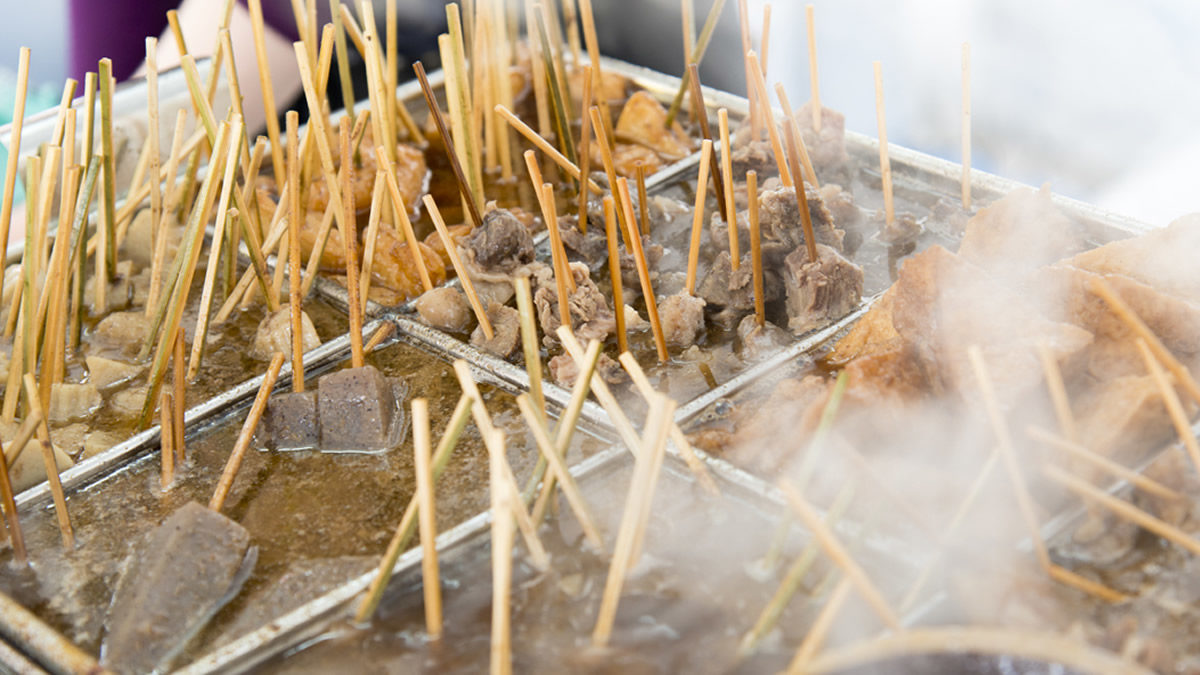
x,y
682,319
410,171
1164,259
292,422
498,248
590,314
626,158
564,370
1121,416
174,581
734,290
357,408
1019,233
944,304
771,429
446,309
613,86
643,121
892,373
506,331
274,334
819,291
458,234
873,331
827,148
590,248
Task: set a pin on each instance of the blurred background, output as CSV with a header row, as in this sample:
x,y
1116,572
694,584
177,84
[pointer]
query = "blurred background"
x,y
1096,97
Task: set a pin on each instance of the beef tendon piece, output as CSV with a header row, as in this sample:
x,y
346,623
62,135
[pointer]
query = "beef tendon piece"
x,y
565,371
274,334
501,246
753,155
360,410
446,309
590,248
292,422
589,310
682,319
780,226
643,121
506,331
174,581
1019,233
819,291
827,147
734,290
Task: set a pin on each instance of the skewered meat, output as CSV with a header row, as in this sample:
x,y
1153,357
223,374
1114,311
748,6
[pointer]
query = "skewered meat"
x,y
589,310
565,371
819,291
724,287
643,121
1018,233
409,166
752,155
758,341
827,147
174,581
629,274
446,309
274,334
501,246
360,409
904,229
780,226
682,319
506,331
590,248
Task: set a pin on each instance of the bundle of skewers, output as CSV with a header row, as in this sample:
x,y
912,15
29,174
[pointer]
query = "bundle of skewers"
x,y
527,217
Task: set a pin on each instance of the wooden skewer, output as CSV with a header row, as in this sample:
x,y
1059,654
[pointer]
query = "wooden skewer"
x,y
349,228
559,469
759,83
502,543
543,145
401,211
468,286
643,207
14,150
593,48
1125,313
464,187
1124,509
563,278
698,216
694,59
9,504
247,433
529,340
380,336
372,235
727,174
639,257
161,225
430,584
167,440
603,394
585,145
152,138
765,38
1140,481
637,501
751,98
458,89
179,377
697,94
885,165
812,67
810,236
43,435
1171,400
496,451
840,556
687,12
294,217
1058,392
821,626
108,255
966,125
1008,454
614,271
1068,578
760,311
646,390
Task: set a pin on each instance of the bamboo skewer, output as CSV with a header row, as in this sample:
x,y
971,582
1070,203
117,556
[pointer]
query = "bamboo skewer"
x,y
464,187
698,216
502,543
14,150
810,236
585,141
178,400
160,225
821,626
563,278
840,556
372,235
558,467
1140,481
606,157
152,138
408,522
814,82
544,145
764,40
1171,400
755,105
885,165
43,436
760,312
1058,392
9,505
759,84
557,84
1124,509
1183,377
247,433
294,217
637,501
966,125
468,286
646,390
593,49
349,230
697,94
565,430
603,394
427,523
614,271
727,175
401,210
108,255
643,207
496,451
529,341
694,59
639,257
167,440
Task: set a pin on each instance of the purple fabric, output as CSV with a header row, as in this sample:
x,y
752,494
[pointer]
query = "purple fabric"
x,y
118,29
